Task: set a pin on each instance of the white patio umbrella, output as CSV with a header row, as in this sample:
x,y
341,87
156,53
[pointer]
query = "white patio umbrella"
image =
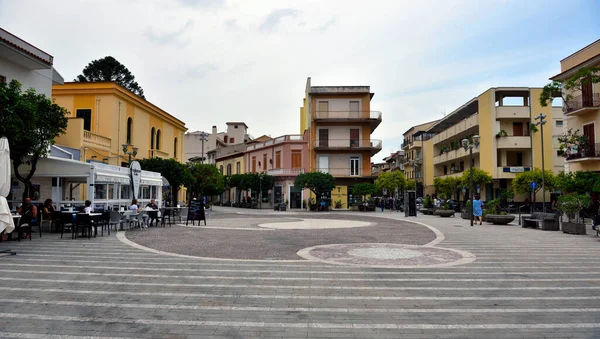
x,y
6,220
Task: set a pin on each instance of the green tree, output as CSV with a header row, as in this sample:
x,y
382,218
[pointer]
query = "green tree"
x,y
317,182
390,181
521,184
570,88
480,177
108,69
446,187
207,180
175,172
364,189
580,182
30,122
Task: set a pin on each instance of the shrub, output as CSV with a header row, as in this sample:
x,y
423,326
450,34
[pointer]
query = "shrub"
x,y
572,204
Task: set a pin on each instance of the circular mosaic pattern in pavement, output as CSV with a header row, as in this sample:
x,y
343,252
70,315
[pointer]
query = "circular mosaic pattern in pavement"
x,y
309,224
387,255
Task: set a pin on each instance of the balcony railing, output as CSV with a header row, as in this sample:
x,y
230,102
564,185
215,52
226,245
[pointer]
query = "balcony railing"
x,y
513,142
343,172
155,153
278,140
580,102
285,171
587,152
94,140
347,143
348,115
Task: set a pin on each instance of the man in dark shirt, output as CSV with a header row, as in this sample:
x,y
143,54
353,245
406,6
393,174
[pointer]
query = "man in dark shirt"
x,y
152,215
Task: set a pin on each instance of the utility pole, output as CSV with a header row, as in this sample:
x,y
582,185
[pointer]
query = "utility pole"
x,y
468,146
541,122
203,138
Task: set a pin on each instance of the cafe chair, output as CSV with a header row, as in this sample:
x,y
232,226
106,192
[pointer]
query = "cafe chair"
x,y
114,219
165,214
83,222
66,221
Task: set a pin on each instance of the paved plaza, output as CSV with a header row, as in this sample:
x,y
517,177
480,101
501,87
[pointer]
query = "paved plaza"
x,y
267,274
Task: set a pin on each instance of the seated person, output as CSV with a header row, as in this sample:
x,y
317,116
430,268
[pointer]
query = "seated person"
x,y
48,209
134,206
152,215
29,212
88,207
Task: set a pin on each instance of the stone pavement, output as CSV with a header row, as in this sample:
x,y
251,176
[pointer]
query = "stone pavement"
x,y
524,283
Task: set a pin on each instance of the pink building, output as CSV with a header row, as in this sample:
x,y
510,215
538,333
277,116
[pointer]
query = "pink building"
x,y
284,158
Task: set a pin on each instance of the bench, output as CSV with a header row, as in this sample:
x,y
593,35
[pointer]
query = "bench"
x,y
545,221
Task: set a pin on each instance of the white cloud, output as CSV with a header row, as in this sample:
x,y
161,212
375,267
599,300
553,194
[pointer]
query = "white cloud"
x,y
211,61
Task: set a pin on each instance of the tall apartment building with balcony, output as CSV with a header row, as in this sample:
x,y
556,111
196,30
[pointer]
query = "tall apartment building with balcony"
x,y
413,160
582,112
337,121
501,117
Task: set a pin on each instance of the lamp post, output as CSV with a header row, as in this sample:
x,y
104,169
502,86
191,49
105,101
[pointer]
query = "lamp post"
x,y
541,122
260,179
203,138
468,146
127,151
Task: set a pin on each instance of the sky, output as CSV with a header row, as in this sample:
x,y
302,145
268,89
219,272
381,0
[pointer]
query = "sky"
x,y
208,62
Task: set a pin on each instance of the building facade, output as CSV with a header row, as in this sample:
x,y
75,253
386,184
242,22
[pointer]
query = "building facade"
x,y
237,133
412,146
582,112
337,122
502,118
229,161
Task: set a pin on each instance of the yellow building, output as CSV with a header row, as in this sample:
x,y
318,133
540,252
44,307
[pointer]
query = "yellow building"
x,y
338,122
501,117
582,112
104,116
412,163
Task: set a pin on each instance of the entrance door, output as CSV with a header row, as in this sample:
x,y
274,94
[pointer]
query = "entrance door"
x,y
354,137
295,197
588,132
587,92
518,129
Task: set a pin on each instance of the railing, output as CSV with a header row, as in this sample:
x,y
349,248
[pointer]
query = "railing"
x,y
347,143
513,142
96,140
343,172
459,128
155,153
285,171
589,151
376,115
278,140
580,102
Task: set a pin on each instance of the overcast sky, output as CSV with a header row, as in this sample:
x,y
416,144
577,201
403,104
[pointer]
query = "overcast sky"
x,y
212,61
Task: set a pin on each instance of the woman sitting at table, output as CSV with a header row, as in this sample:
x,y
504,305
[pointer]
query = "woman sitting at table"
x,y
88,207
48,209
134,206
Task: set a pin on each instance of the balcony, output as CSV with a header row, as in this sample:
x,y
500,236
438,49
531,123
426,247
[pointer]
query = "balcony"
x,y
512,112
588,153
452,155
285,172
155,153
470,123
374,117
344,172
513,142
96,141
510,172
348,145
580,105
278,140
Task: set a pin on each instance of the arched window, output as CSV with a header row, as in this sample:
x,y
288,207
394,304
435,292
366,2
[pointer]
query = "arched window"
x,y
152,133
229,169
221,169
175,148
129,127
158,139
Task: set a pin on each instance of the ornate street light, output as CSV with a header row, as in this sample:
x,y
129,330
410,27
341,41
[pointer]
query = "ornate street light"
x,y
541,123
468,145
203,137
127,151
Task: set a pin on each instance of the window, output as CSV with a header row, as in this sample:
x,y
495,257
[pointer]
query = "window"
x,y
323,106
461,166
237,167
559,123
264,162
354,109
129,127
2,79
297,159
253,164
445,169
175,148
323,137
125,192
354,166
235,126
100,192
278,159
519,158
152,134
86,115
229,169
221,169
354,137
146,192
323,163
158,139
231,140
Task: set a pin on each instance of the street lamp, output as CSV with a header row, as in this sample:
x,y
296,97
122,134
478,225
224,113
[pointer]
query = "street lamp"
x,y
203,138
468,146
541,122
131,152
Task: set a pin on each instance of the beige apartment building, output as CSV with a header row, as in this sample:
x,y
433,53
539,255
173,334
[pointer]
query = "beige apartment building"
x,y
412,162
582,112
501,117
337,122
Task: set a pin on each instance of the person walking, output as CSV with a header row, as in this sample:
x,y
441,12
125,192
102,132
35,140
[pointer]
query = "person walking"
x,y
478,210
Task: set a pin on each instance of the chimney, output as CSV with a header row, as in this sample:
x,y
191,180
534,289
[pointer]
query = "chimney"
x,y
214,130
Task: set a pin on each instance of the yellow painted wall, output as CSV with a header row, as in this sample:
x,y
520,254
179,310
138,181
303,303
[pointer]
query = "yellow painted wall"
x,y
486,125
342,195
73,136
536,109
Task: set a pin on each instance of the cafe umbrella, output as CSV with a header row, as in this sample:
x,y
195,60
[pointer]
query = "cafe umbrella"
x,y
6,221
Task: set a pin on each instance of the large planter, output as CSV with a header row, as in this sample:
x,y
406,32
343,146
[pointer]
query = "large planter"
x,y
573,228
498,219
444,213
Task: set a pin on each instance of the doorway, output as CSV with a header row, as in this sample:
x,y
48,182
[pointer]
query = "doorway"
x,y
588,132
518,129
295,197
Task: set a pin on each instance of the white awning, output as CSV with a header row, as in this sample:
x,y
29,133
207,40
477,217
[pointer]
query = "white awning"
x,y
151,181
112,177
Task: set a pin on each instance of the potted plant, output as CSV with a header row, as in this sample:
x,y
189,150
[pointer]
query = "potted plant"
x,y
445,211
502,133
338,204
312,205
283,207
571,205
